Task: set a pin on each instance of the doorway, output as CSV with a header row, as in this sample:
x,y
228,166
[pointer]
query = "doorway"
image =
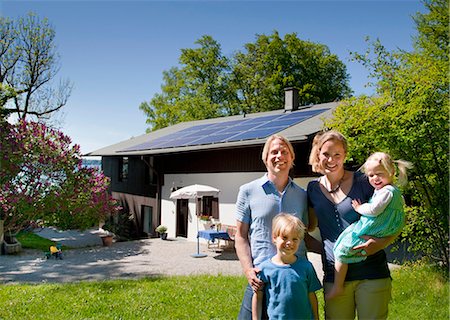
x,y
182,217
147,220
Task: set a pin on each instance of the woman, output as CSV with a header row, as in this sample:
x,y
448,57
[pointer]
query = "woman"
x,y
367,290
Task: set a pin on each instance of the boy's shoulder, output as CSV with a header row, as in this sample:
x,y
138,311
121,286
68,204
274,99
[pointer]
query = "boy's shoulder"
x,y
303,261
266,264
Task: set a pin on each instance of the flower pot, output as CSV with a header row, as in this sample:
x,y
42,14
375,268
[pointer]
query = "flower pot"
x,y
107,240
163,236
12,246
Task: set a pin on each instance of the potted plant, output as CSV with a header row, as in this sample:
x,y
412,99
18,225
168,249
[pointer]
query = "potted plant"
x,y
10,243
108,233
107,238
206,221
162,230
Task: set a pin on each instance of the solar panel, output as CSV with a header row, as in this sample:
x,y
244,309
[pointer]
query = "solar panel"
x,y
227,131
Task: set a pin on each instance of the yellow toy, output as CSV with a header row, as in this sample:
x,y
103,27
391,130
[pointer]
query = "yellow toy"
x,y
55,251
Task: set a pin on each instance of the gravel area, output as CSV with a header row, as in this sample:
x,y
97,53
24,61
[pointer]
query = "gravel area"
x,y
131,259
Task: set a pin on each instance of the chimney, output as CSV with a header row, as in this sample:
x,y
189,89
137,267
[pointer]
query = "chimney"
x,y
290,99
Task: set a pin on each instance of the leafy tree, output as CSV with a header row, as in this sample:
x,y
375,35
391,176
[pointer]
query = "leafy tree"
x,y
409,118
269,65
197,90
41,177
28,66
209,85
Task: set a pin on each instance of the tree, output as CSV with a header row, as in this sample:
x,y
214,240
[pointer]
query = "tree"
x,y
41,177
197,90
209,85
269,65
409,118
28,66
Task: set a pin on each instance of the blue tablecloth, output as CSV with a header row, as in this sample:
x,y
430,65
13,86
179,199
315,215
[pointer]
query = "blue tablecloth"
x,y
212,235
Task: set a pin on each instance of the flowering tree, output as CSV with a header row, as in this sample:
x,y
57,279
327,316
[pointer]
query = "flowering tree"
x,y
41,177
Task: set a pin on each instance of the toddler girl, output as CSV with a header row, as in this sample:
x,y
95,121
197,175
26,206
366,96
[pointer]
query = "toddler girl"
x,y
382,216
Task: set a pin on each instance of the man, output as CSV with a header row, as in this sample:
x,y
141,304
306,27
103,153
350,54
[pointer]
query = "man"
x,y
257,203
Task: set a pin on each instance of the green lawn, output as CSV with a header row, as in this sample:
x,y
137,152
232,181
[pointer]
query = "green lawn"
x,y
32,241
420,292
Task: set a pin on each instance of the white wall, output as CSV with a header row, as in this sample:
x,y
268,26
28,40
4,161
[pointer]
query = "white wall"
x,y
303,182
227,183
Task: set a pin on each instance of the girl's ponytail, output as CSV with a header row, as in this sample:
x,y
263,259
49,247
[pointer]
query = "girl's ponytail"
x,y
402,166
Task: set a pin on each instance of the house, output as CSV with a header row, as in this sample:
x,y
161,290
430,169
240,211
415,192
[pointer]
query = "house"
x,y
223,152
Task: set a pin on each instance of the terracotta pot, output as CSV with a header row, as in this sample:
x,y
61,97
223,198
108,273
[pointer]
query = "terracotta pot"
x,y
107,241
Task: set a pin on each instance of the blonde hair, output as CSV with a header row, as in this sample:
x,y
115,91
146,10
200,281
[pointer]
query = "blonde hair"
x,y
318,141
285,223
384,160
265,152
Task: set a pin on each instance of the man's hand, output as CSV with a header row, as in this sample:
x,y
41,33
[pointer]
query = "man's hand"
x,y
253,280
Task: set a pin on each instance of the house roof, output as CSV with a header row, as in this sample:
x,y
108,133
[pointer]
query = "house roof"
x,y
142,145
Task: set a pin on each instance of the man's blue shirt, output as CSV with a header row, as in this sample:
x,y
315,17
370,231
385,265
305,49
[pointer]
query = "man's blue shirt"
x,y
258,202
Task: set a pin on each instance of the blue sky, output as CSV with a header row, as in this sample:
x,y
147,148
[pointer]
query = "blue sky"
x,y
114,52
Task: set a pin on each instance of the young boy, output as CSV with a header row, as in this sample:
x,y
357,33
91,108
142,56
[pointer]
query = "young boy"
x,y
290,282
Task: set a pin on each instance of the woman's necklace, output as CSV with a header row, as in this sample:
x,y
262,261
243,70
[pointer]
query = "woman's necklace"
x,y
336,188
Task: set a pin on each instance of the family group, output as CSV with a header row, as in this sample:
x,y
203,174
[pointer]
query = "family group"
x,y
358,214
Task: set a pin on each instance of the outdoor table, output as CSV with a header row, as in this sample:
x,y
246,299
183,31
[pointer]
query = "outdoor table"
x,y
212,235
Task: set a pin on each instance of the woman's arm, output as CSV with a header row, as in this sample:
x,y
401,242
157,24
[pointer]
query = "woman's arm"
x,y
312,225
373,244
312,244
242,245
314,304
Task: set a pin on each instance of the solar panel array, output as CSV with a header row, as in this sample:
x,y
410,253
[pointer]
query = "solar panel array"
x,y
227,131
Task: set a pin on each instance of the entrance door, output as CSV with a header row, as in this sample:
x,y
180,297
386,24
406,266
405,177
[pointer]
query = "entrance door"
x,y
182,217
147,220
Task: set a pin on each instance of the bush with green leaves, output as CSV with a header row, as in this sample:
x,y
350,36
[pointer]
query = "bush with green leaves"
x,y
409,119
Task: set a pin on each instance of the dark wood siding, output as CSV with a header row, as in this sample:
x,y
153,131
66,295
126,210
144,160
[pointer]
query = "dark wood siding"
x,y
136,183
224,160
229,160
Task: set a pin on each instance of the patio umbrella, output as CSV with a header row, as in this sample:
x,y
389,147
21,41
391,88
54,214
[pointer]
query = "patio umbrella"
x,y
193,192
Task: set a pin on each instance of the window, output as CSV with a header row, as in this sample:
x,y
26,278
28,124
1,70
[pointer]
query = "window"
x,y
150,177
208,206
123,168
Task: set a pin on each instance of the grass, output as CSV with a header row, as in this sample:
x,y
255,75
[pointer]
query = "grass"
x,y
196,297
29,240
420,291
